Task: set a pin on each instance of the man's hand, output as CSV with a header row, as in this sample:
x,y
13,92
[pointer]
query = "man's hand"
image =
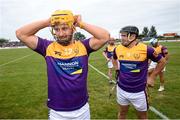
x,y
108,59
99,35
78,21
150,82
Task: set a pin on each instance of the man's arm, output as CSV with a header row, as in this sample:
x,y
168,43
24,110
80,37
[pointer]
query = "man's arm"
x,y
159,67
166,54
115,64
26,34
166,57
100,35
105,54
116,67
115,60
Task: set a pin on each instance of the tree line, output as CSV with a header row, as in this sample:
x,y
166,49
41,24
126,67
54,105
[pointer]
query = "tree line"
x,y
145,35
152,32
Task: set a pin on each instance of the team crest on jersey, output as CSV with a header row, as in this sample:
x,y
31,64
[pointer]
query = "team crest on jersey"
x,y
121,56
136,56
76,51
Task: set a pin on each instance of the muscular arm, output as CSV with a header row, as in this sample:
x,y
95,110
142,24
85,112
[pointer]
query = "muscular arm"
x,y
159,68
167,57
166,54
115,60
26,34
100,35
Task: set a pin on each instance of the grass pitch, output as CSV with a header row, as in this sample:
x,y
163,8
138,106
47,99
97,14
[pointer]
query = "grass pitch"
x,y
23,87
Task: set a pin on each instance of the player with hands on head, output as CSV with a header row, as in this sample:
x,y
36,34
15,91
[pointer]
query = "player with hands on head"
x,y
67,61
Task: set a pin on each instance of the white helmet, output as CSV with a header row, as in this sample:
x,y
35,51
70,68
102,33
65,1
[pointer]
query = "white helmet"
x,y
153,41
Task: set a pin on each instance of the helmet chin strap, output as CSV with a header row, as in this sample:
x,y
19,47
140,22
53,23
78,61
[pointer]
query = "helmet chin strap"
x,y
128,39
129,43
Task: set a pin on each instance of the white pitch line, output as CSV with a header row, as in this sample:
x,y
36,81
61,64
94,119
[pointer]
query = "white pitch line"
x,y
150,107
100,72
158,113
15,60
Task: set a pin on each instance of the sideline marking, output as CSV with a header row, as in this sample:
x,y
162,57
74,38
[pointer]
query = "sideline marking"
x,y
15,60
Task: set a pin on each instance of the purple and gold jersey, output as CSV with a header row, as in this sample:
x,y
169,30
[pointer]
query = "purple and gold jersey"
x,y
109,50
67,68
133,66
161,50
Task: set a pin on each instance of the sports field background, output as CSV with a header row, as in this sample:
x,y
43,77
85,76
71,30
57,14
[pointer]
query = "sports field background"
x,y
23,87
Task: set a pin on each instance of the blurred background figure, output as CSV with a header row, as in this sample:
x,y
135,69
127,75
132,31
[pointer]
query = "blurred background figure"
x,y
108,54
160,49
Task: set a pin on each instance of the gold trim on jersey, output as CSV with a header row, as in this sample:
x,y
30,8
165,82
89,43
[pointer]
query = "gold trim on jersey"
x,y
65,52
136,53
158,49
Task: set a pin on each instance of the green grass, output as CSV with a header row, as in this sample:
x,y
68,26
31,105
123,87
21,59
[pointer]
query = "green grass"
x,y
23,87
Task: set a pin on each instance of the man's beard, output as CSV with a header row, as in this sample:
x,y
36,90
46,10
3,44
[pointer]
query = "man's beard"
x,y
66,41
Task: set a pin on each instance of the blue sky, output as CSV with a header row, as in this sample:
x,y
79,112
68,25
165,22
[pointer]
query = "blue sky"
x,y
109,14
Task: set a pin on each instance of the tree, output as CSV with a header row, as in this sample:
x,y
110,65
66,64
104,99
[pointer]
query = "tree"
x,y
2,40
79,36
140,36
145,31
152,32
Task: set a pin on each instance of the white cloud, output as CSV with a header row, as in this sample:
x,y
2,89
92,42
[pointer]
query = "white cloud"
x,y
110,14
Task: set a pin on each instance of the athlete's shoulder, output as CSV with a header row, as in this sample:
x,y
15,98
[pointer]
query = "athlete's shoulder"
x,y
141,44
44,41
119,46
85,44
